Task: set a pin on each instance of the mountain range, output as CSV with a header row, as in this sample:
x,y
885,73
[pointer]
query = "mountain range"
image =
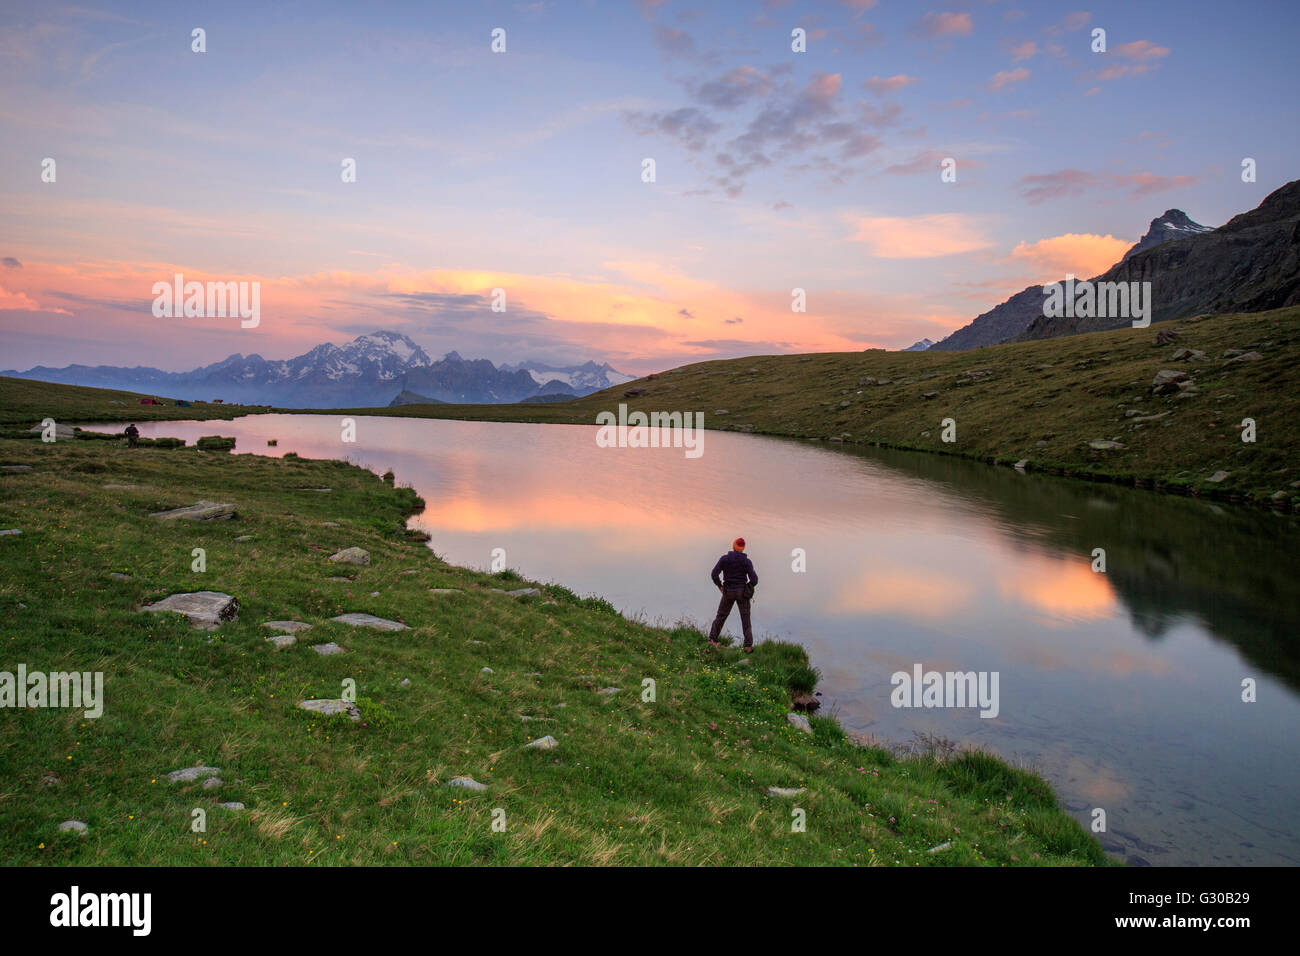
x,y
1249,264
370,371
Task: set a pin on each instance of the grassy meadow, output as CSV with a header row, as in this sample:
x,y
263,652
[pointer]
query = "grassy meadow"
x,y
680,777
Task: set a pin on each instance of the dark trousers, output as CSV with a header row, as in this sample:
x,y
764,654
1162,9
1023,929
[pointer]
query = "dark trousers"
x,y
729,597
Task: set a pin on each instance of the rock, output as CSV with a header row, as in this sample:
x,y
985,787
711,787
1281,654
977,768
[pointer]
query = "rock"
x,y
283,640
329,524
445,591
542,743
1021,464
199,511
486,670
799,722
369,620
340,580
17,468
929,395
212,783
374,594
1165,336
520,592
50,780
406,682
288,627
206,609
6,531
1166,381
784,791
721,411
1104,445
332,708
1246,357
805,702
941,846
467,783
609,691
231,805
1218,476
190,774
60,431
1185,355
325,650
129,487
1040,444
634,392
351,556
73,826
244,537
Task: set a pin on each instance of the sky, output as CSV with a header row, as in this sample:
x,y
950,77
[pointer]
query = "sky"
x,y
524,170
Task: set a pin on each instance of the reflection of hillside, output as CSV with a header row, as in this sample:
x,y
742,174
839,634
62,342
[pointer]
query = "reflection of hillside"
x,y
1168,558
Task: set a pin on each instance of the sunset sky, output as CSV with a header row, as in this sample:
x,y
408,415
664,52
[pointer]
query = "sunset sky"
x,y
523,170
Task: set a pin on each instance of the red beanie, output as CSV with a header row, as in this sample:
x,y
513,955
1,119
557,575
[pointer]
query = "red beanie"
x,y
738,544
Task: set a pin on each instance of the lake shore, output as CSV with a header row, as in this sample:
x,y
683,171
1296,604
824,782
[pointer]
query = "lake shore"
x,y
682,778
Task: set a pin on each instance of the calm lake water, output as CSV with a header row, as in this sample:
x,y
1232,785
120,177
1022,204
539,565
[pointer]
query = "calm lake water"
x,y
1123,688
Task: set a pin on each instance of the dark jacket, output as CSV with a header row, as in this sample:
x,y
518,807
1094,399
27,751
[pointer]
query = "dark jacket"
x,y
735,569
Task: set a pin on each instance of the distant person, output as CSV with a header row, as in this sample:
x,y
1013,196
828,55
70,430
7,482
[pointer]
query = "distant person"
x,y
132,436
735,577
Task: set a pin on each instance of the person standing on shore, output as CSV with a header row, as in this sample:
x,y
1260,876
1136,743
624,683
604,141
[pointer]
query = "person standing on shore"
x,y
132,436
735,577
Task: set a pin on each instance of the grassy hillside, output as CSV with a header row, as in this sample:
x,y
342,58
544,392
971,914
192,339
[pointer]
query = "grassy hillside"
x,y
1044,402
680,779
24,402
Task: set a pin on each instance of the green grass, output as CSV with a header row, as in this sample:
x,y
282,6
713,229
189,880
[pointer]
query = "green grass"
x,y
1081,396
678,780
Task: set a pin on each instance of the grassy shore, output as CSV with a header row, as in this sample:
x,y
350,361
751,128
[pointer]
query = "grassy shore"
x,y
1042,402
681,778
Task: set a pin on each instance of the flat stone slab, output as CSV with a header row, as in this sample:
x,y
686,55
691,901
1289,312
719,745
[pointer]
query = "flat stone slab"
x,y
199,511
72,826
609,691
204,608
1105,445
283,640
11,531
799,722
190,774
520,592
445,591
231,805
467,783
288,627
786,792
542,743
369,620
351,556
325,650
332,708
1218,476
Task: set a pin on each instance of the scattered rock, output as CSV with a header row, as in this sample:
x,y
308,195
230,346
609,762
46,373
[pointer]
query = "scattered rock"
x,y
1021,464
6,531
199,511
520,592
1217,477
332,708
341,580
369,620
785,791
721,411
73,826
50,780
231,805
467,783
405,682
609,691
941,846
1166,381
190,774
205,609
486,670
244,537
129,487
60,431
805,702
1246,357
325,650
1188,355
288,627
351,556
283,640
634,392
1165,336
212,783
1104,445
542,743
445,591
19,468
929,395
799,722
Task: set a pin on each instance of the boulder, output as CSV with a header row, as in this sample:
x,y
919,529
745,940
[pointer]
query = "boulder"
x,y
467,783
332,708
199,511
1217,477
542,743
786,792
799,722
205,609
1246,357
351,556
325,650
1166,381
73,826
190,774
283,640
369,620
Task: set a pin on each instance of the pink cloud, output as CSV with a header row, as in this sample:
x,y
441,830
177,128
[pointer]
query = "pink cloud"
x,y
945,24
919,237
1080,254
883,86
1024,51
1005,78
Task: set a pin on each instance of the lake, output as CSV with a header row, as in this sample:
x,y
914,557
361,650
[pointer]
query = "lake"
x,y
1124,688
